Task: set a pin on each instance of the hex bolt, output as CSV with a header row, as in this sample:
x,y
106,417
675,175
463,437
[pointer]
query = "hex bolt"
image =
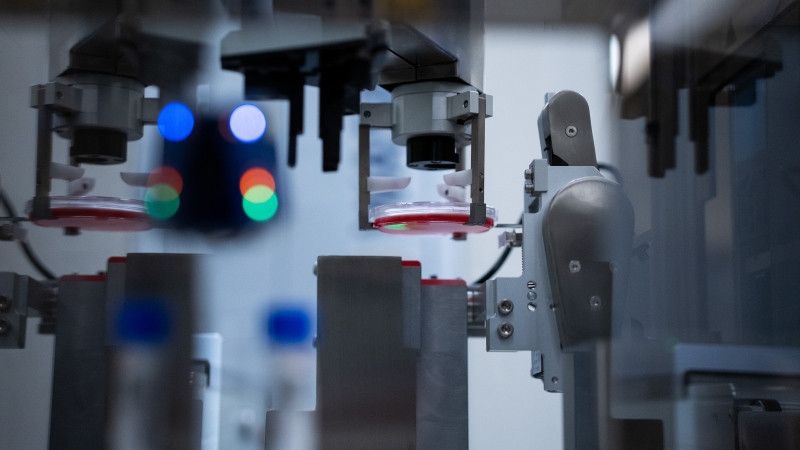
x,y
595,302
505,330
505,307
531,295
571,131
529,174
367,114
529,188
574,266
5,303
531,284
5,327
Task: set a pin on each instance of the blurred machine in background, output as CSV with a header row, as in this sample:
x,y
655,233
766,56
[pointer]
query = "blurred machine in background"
x,y
660,300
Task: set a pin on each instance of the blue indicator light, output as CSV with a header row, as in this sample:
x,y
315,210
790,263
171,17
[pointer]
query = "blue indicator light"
x,y
288,326
175,122
144,322
248,123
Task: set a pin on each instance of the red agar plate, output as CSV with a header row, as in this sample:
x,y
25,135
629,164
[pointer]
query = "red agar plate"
x,y
426,218
96,214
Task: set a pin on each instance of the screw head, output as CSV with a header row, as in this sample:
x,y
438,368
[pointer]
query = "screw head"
x,y
595,302
5,303
574,266
367,114
529,174
531,284
529,188
531,295
531,306
5,327
505,330
466,103
554,380
571,131
505,307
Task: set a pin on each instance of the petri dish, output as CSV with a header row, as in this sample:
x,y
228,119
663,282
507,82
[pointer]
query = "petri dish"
x,y
428,218
95,214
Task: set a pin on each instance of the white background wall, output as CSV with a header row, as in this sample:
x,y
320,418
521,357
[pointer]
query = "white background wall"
x,y
508,409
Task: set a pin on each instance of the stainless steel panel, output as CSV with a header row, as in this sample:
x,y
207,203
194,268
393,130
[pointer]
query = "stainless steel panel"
x,y
442,397
78,408
366,377
150,391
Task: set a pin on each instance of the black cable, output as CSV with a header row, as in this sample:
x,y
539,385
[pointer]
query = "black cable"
x,y
499,263
26,247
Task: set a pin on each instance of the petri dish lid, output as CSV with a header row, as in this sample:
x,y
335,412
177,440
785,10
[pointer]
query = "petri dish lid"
x,y
426,218
95,214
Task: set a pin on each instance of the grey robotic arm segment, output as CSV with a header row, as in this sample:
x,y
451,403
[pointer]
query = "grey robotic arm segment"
x,y
565,130
588,237
533,318
541,326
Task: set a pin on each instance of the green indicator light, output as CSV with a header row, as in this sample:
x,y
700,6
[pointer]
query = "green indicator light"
x,y
163,210
161,193
162,201
396,226
260,212
259,194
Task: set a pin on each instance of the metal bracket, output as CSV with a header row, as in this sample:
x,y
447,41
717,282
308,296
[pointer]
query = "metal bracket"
x,y
477,207
12,232
511,238
44,155
363,177
378,115
19,296
58,96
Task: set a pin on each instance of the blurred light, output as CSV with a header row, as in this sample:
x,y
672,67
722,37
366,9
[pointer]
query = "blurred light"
x,y
248,123
175,122
260,212
162,198
144,321
288,326
256,177
166,175
635,58
614,60
259,201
